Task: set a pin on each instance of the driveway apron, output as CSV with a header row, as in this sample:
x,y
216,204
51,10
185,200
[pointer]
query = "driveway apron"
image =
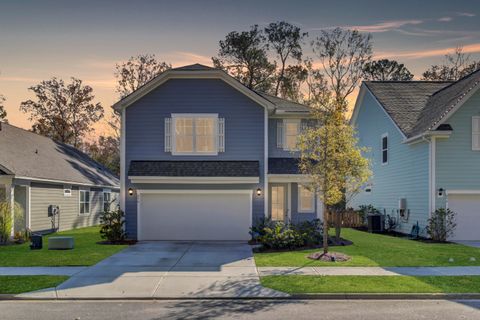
x,y
167,269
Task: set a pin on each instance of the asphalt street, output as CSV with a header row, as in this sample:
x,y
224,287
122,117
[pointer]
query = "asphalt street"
x,y
241,309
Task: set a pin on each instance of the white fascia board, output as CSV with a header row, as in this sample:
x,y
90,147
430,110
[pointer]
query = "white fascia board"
x,y
462,99
179,74
422,136
194,180
66,182
458,191
273,178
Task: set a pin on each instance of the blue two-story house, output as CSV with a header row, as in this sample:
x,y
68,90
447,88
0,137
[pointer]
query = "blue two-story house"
x,y
203,158
424,141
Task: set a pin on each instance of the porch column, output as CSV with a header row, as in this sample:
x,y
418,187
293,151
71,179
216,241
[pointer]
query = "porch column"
x,y
10,198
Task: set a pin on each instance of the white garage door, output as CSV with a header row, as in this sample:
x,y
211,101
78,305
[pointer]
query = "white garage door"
x,y
190,215
467,207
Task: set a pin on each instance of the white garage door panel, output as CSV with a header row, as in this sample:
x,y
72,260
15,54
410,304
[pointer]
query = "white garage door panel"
x,y
467,207
195,216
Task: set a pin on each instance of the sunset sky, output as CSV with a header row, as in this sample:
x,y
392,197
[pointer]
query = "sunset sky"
x,y
84,39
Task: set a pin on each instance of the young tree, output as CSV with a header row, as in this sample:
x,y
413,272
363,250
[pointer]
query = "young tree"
x,y
244,56
329,155
343,55
64,112
455,66
384,69
137,71
3,113
106,150
286,41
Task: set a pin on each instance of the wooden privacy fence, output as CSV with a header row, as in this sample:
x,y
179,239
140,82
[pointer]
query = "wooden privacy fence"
x,y
348,219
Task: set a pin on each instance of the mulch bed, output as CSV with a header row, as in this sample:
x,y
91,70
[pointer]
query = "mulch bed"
x,y
329,257
331,243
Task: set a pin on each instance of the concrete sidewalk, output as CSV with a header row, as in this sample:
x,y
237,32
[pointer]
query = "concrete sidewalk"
x,y
40,271
371,271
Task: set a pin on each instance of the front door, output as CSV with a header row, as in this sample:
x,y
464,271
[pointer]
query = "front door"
x,y
278,202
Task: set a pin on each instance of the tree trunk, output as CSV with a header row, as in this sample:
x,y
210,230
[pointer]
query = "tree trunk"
x,y
325,229
338,225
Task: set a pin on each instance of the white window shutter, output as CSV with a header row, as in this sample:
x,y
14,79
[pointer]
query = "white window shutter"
x,y
168,134
280,134
221,134
476,133
303,127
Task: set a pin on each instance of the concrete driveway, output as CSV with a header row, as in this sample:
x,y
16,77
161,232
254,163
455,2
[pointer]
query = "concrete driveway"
x,y
171,270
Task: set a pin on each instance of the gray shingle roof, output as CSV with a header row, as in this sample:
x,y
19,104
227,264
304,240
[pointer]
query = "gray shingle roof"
x,y
285,105
194,67
444,100
417,106
283,166
195,168
404,100
27,154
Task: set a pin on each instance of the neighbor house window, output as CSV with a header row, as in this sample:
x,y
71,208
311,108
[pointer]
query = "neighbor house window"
x,y
107,200
291,129
476,133
306,199
84,202
384,149
195,134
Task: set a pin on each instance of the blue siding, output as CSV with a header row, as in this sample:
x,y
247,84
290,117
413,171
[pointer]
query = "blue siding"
x,y
244,128
406,174
457,165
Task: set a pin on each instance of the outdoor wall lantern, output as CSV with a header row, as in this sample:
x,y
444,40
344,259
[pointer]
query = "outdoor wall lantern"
x,y
259,192
440,192
130,191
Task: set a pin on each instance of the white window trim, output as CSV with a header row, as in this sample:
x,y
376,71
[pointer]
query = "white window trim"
x,y
89,202
299,202
194,115
103,198
284,133
385,135
475,118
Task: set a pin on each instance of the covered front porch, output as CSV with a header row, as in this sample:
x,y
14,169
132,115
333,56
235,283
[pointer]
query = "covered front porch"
x,y
16,194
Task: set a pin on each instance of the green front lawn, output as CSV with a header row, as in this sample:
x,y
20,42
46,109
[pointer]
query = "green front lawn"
x,y
379,250
86,252
20,284
296,284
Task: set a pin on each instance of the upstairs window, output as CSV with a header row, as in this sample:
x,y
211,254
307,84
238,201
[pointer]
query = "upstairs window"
x,y
194,134
288,131
385,148
476,133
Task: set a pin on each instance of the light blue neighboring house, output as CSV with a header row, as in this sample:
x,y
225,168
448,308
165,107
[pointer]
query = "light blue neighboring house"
x,y
204,158
424,145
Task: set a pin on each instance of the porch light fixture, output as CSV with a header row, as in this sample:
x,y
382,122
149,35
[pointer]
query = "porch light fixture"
x,y
130,191
440,192
259,192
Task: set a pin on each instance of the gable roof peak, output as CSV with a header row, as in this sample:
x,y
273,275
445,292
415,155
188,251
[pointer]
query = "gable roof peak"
x,y
194,67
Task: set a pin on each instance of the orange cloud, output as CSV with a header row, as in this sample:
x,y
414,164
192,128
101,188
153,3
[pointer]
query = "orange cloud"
x,y
471,48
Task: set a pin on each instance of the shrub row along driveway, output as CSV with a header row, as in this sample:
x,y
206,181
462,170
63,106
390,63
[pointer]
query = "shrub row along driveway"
x,y
170,270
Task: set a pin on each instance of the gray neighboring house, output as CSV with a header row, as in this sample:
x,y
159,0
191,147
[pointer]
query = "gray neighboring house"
x,y
38,173
204,157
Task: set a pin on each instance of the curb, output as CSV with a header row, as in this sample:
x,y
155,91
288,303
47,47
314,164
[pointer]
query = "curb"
x,y
320,296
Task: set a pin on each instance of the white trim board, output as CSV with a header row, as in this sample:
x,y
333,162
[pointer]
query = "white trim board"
x,y
459,191
273,178
194,191
194,180
73,183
